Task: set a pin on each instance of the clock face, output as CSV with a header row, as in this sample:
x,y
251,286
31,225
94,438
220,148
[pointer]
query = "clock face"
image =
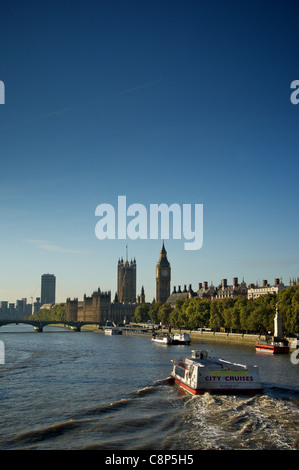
x,y
164,272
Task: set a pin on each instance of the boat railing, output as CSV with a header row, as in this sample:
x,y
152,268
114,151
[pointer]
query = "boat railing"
x,y
180,363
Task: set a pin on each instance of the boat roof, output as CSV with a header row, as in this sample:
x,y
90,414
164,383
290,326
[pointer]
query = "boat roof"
x,y
201,359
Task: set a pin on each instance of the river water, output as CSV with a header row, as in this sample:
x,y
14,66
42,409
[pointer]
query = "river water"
x,y
85,390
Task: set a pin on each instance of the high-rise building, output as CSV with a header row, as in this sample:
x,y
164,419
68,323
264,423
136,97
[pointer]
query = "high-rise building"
x,y
48,288
163,276
126,281
37,305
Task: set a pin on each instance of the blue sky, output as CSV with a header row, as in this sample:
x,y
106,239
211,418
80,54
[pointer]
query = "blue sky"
x,y
161,101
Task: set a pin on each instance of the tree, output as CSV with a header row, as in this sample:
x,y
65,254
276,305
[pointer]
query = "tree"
x,y
141,314
227,306
153,312
294,317
182,306
175,317
216,321
288,309
261,319
245,311
198,312
239,314
164,314
57,313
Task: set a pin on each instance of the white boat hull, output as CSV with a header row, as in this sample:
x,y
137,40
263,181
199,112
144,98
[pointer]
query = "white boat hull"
x,y
181,338
112,331
162,339
168,338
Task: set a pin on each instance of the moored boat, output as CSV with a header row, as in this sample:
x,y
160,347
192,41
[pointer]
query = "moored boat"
x,y
278,344
113,331
181,338
200,373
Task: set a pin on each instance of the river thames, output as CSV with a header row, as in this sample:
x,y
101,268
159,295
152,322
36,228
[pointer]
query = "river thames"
x,y
85,390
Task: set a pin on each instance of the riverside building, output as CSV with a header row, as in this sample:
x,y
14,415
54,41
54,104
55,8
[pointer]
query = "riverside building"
x,y
256,291
48,288
99,308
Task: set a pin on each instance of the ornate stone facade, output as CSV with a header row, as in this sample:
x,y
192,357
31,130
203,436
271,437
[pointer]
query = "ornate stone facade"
x,y
126,281
98,309
163,277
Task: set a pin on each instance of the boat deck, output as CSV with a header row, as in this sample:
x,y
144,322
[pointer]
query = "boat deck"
x,y
216,364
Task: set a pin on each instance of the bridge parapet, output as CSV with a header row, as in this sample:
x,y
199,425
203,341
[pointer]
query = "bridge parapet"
x,y
39,325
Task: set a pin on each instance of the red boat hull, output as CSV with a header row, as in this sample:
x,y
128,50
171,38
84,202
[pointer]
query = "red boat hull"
x,y
272,349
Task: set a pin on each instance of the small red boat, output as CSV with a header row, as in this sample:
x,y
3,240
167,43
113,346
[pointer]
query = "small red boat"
x,y
278,344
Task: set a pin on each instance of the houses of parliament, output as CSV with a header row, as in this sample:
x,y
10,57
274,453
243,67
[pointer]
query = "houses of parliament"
x,y
99,307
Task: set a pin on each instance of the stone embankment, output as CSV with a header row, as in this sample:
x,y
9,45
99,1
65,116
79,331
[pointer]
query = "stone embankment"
x,y
207,335
230,337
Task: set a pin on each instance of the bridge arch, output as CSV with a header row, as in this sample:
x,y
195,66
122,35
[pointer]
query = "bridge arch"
x,y
39,325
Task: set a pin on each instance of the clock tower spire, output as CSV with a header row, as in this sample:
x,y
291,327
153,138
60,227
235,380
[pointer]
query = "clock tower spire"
x,y
163,276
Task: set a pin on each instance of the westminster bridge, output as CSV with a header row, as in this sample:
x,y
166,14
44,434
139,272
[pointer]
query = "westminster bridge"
x,y
39,325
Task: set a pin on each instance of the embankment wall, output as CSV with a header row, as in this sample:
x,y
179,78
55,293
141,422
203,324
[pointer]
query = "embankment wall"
x,y
230,337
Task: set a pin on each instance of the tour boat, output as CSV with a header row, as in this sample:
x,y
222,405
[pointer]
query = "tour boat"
x,y
162,338
181,338
200,373
273,347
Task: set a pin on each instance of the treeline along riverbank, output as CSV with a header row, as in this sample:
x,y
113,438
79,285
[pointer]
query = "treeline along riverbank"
x,y
237,315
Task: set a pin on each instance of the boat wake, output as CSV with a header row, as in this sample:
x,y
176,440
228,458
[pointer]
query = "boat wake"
x,y
239,423
281,392
180,420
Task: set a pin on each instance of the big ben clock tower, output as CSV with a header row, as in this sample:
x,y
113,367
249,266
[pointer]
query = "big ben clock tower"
x,y
163,277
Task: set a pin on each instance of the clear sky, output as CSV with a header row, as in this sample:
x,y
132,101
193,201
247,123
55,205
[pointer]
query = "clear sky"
x,y
169,101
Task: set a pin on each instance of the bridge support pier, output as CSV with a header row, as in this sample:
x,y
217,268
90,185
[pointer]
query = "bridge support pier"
x,y
75,328
38,329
